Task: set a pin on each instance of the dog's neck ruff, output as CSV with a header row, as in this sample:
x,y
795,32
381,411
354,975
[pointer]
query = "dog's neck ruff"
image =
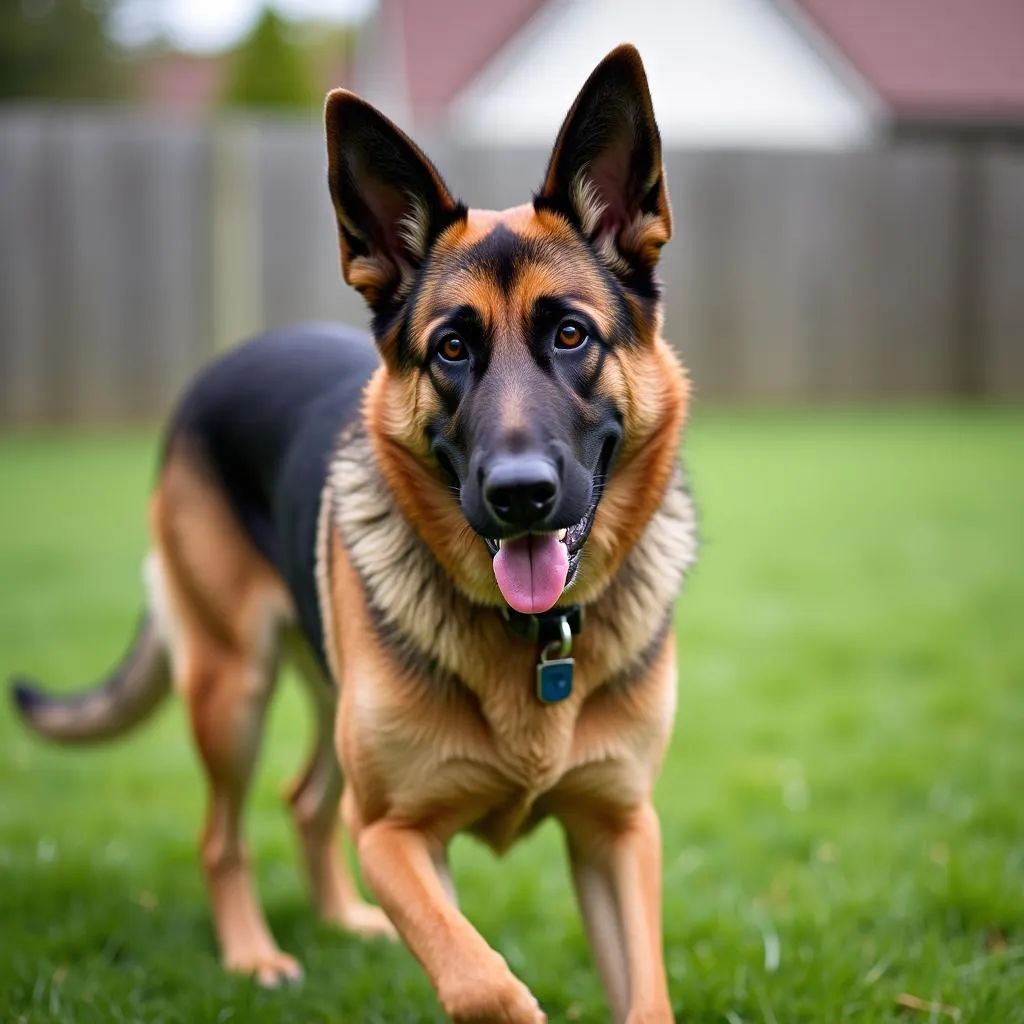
x,y
425,621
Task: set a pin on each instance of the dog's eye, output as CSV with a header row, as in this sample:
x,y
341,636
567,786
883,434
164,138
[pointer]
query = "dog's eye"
x,y
452,349
570,335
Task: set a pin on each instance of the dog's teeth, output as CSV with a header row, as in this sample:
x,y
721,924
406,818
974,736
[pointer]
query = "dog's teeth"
x,y
561,534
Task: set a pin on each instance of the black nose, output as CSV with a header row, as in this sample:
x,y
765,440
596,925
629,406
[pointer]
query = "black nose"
x,y
522,490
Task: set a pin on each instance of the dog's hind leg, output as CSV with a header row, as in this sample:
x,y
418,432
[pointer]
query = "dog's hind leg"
x,y
227,696
228,608
315,800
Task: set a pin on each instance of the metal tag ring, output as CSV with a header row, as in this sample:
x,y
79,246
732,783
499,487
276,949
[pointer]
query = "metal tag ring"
x,y
564,644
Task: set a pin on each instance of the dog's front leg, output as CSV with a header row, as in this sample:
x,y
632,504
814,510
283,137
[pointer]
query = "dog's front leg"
x,y
472,981
616,868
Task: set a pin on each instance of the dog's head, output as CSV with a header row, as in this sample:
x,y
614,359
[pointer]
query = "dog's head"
x,y
527,411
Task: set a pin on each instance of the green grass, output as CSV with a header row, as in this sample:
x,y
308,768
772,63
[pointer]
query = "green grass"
x,y
843,805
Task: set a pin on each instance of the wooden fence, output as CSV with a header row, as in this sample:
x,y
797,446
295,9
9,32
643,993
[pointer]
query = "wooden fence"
x,y
131,250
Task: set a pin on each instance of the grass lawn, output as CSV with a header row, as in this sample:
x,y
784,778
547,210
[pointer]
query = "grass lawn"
x,y
843,805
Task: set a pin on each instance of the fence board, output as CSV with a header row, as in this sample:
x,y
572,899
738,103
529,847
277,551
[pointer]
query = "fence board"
x,y
22,272
301,264
1002,317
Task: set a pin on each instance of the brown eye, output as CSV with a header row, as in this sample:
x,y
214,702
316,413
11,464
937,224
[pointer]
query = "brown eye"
x,y
570,335
453,348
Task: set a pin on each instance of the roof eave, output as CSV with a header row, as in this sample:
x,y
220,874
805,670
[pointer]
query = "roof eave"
x,y
833,59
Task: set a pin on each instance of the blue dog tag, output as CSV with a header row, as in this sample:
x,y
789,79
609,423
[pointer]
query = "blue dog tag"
x,y
554,680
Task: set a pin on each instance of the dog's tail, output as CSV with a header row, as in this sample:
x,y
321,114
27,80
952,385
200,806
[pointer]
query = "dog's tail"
x,y
110,708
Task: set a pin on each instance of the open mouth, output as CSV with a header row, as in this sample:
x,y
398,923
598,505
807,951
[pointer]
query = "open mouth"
x,y
533,569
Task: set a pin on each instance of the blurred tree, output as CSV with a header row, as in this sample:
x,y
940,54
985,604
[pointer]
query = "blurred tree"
x,y
59,50
271,69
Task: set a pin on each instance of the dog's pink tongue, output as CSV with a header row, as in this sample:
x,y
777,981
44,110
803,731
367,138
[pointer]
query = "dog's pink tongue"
x,y
531,572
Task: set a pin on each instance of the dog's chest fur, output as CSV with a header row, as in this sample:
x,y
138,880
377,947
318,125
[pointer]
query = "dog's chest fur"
x,y
451,718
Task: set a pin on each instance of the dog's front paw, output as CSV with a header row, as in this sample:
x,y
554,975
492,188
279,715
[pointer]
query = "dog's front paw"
x,y
270,968
490,996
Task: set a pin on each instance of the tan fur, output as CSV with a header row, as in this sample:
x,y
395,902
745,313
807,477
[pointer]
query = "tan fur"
x,y
424,763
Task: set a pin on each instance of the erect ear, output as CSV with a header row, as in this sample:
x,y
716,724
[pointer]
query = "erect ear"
x,y
605,173
390,201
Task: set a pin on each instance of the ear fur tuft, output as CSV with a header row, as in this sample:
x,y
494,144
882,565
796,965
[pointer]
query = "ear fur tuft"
x,y
389,199
605,173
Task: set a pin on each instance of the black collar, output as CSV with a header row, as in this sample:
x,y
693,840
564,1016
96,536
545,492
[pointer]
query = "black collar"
x,y
545,628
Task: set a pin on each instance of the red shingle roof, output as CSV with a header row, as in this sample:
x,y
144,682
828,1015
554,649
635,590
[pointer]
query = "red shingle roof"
x,y
447,42
933,60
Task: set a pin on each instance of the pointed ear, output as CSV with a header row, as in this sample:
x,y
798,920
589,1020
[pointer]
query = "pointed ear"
x,y
605,173
390,201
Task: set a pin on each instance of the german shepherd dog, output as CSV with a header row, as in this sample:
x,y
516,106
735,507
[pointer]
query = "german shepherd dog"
x,y
468,537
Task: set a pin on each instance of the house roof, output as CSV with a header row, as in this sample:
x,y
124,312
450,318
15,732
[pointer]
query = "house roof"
x,y
722,73
423,52
933,61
